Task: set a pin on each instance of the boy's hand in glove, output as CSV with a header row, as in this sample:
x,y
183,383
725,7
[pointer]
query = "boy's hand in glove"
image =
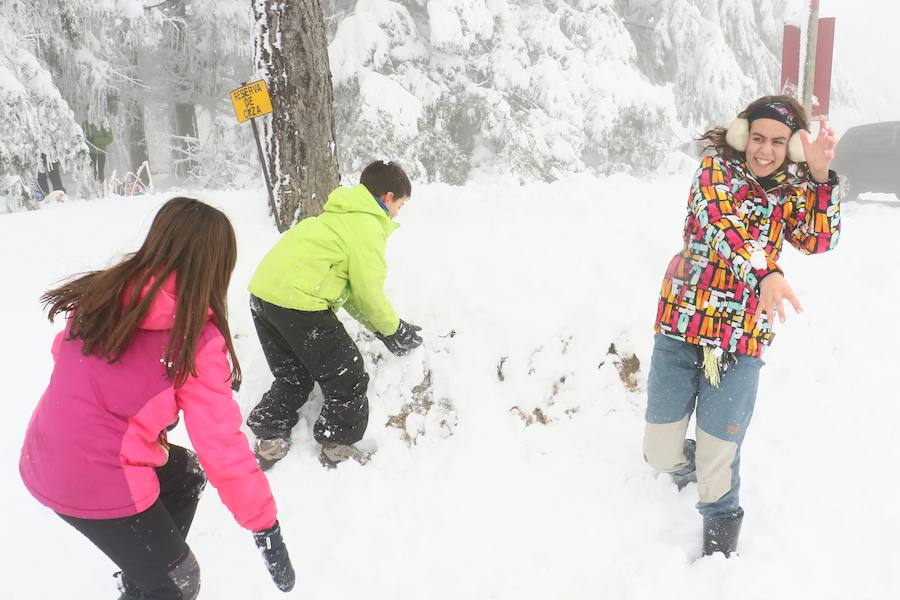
x,y
276,556
403,340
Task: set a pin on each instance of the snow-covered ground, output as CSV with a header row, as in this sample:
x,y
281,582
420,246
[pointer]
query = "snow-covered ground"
x,y
536,282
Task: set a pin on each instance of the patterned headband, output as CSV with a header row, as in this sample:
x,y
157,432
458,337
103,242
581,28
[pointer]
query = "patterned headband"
x,y
775,110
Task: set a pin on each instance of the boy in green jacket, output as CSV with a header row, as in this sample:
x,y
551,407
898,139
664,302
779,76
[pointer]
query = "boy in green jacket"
x,y
98,139
322,263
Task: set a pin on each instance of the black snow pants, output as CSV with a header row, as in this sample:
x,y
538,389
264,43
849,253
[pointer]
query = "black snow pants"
x,y
303,348
149,547
51,177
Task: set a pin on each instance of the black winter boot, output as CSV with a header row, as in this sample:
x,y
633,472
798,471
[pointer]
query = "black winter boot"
x,y
720,533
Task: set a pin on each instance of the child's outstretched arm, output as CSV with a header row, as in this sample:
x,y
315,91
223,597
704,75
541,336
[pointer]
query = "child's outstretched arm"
x,y
814,218
813,223
367,270
213,422
354,311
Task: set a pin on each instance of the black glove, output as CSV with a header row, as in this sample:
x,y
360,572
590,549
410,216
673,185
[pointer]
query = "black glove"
x,y
403,340
275,555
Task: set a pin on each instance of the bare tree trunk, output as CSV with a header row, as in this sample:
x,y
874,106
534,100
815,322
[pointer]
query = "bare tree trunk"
x,y
137,136
137,150
292,53
186,143
186,140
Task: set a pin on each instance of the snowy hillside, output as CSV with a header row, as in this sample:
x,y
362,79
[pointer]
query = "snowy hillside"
x,y
520,292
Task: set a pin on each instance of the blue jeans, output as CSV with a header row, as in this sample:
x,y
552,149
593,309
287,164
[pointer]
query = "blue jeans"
x,y
677,388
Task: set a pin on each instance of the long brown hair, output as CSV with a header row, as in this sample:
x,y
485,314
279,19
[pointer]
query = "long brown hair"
x,y
715,137
188,238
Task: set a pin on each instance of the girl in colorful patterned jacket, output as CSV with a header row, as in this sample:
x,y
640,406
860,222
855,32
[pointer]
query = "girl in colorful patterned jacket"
x,y
765,182
145,340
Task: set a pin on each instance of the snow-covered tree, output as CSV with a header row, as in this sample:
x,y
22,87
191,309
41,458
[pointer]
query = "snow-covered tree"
x,y
195,52
717,55
454,88
38,127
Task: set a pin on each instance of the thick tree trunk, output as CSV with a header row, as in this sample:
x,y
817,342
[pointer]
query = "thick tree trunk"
x,y
292,53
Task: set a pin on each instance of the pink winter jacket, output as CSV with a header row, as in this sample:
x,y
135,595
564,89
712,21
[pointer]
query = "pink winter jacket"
x,y
94,439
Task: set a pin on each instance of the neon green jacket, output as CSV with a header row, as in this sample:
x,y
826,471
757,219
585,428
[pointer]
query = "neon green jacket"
x,y
99,137
332,260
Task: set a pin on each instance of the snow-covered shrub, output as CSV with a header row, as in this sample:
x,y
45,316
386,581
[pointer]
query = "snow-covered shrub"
x,y
37,126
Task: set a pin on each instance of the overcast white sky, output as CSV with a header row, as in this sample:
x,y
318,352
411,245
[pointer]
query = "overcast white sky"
x,y
867,46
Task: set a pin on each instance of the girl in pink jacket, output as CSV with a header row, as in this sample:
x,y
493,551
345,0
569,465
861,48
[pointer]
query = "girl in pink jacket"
x,y
145,340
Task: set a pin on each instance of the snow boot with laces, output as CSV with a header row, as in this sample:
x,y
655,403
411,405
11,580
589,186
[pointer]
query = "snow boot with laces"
x,y
334,454
270,451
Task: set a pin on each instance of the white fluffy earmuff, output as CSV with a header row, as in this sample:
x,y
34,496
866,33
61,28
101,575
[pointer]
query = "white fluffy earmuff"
x,y
795,148
738,135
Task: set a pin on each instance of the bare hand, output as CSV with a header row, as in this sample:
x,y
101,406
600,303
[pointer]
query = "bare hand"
x,y
773,291
819,153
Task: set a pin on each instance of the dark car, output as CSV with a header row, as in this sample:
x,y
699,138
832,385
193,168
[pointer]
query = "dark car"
x,y
869,157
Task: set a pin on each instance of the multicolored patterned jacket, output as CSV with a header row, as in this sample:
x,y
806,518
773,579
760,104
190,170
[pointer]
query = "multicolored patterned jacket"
x,y
732,239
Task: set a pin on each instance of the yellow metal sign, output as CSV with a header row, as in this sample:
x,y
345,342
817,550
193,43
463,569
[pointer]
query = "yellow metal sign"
x,y
251,101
